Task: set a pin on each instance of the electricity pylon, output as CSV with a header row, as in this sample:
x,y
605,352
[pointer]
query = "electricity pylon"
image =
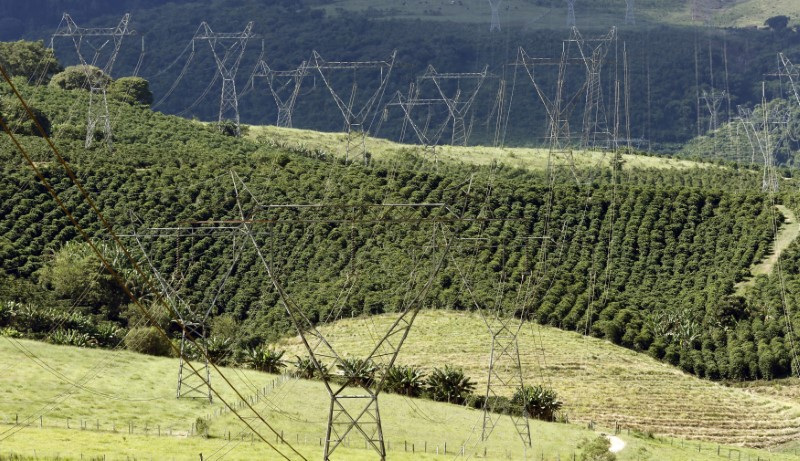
x,y
356,116
427,135
713,102
227,49
457,106
97,38
630,14
792,73
284,85
595,119
495,6
353,403
193,381
570,13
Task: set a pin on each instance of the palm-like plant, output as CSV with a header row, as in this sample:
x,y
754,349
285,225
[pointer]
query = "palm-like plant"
x,y
358,372
219,349
449,385
538,401
266,359
405,380
305,369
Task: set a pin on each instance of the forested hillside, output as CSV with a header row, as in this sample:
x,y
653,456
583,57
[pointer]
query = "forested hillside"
x,y
669,67
646,259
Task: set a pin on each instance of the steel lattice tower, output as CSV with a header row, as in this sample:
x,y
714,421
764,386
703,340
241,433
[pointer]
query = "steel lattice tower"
x,y
360,119
495,5
428,136
457,106
595,120
293,80
792,74
228,49
193,381
630,14
97,113
353,405
570,13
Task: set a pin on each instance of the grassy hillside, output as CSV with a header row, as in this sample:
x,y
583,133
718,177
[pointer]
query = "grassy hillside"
x,y
533,13
118,388
597,380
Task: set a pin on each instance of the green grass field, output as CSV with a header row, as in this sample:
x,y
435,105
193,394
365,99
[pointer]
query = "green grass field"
x,y
124,408
597,380
534,159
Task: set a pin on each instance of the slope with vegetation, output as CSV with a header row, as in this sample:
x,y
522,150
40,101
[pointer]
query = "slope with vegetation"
x,y
131,399
647,257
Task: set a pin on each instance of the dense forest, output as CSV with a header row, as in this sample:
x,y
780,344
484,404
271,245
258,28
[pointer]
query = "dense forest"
x,y
645,258
668,68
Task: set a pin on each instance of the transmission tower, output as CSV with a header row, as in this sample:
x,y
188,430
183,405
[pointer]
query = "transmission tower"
x,y
495,5
193,381
97,39
630,16
284,85
505,368
353,404
792,74
765,128
570,13
427,135
359,119
595,120
713,101
457,106
227,49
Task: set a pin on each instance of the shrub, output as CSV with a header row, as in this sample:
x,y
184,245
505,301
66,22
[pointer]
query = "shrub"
x,y
147,340
72,338
596,449
358,372
132,90
266,359
538,401
218,350
20,121
405,380
80,78
201,427
305,369
449,385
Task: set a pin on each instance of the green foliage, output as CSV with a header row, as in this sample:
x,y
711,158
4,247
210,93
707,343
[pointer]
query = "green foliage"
x,y
538,401
147,340
357,372
596,449
449,385
266,359
777,22
19,120
407,380
75,273
131,90
202,427
31,60
305,369
219,349
80,77
71,338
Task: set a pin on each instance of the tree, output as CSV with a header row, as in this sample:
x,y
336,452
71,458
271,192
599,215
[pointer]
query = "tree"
x,y
777,22
19,120
31,60
75,273
147,340
80,77
132,90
